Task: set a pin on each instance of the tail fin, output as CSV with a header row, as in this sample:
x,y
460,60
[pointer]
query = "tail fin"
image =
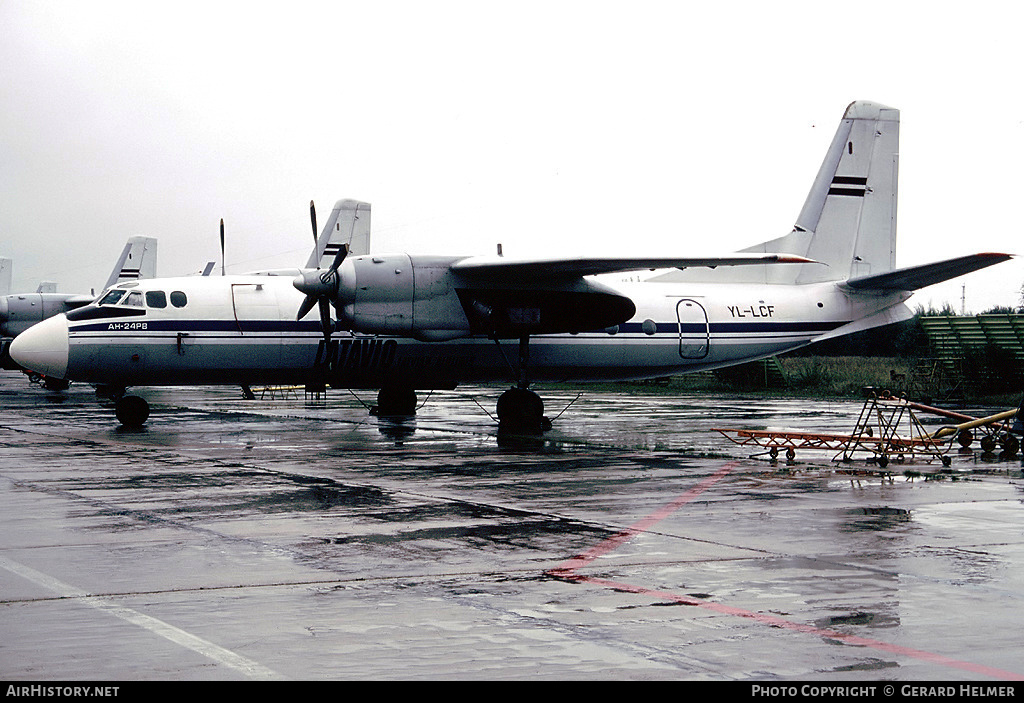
x,y
849,218
5,276
138,260
349,224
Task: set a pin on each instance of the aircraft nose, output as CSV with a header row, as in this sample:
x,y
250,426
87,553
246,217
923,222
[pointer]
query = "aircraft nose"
x,y
43,347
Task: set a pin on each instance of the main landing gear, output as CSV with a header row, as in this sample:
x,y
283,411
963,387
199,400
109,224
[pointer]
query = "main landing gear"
x,y
521,410
395,401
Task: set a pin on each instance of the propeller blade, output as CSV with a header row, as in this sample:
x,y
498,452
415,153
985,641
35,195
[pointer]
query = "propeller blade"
x,y
306,306
312,219
325,319
338,258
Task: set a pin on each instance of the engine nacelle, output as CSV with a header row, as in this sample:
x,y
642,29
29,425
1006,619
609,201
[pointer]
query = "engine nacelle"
x,y
401,294
19,312
423,298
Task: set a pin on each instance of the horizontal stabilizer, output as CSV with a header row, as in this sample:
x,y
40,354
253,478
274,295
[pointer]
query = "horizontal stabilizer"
x,y
531,269
915,277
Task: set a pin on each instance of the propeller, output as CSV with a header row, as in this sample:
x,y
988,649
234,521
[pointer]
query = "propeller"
x,y
312,218
320,287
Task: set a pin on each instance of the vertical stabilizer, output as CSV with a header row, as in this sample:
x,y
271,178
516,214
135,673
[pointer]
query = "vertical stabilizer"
x,y
349,224
5,276
848,221
137,260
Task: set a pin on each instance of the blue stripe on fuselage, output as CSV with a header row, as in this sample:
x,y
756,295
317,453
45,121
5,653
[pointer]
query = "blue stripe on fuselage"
x,y
291,326
205,326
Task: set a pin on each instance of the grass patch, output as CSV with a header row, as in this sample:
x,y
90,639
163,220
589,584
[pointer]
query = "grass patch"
x,y
801,377
845,376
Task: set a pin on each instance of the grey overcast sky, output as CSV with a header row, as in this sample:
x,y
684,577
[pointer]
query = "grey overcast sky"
x,y
553,127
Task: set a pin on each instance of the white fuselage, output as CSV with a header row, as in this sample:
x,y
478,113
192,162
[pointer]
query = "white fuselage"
x,y
242,330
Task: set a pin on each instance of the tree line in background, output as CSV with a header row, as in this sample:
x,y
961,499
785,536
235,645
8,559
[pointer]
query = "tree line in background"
x,y
986,370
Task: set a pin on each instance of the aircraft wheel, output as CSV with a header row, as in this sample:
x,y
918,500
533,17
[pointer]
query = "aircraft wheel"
x,y
132,411
521,410
1010,444
964,438
392,401
55,384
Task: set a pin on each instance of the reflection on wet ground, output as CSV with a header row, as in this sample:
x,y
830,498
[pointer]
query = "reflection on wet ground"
x,y
305,539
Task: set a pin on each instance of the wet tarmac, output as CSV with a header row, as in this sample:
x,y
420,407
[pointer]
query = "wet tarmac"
x,y
304,539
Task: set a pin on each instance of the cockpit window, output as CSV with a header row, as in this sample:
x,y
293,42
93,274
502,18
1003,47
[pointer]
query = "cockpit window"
x,y
178,299
111,297
156,299
134,299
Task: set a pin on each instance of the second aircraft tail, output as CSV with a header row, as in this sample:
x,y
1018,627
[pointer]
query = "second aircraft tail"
x,y
348,224
137,260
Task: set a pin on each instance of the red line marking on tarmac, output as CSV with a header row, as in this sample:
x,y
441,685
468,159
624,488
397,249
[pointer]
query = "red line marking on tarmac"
x,y
568,570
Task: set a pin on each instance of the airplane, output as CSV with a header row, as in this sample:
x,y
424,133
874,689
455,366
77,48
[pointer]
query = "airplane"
x,y
404,323
20,311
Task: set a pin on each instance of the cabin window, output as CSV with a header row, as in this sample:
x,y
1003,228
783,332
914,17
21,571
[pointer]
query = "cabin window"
x,y
134,299
178,299
111,297
156,299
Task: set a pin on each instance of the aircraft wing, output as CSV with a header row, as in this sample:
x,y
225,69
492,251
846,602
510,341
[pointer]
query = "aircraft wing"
x,y
915,277
77,301
560,268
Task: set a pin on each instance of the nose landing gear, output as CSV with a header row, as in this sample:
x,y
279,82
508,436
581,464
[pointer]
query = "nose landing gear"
x,y
130,410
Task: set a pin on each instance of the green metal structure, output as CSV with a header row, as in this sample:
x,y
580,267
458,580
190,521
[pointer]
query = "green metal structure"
x,y
971,352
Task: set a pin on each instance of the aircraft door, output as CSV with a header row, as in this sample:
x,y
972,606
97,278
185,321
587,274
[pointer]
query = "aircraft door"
x,y
252,303
258,319
694,330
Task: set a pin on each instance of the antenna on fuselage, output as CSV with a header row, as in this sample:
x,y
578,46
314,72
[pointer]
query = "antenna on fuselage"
x,y
222,246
